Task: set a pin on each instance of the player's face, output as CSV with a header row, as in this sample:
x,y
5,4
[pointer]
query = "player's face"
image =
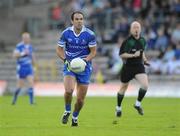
x,y
135,29
26,38
78,21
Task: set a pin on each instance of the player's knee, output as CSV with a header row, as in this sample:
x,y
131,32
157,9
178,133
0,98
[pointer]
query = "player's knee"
x,y
68,93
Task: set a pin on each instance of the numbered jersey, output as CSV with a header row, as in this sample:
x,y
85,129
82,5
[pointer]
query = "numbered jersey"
x,y
24,63
25,60
77,45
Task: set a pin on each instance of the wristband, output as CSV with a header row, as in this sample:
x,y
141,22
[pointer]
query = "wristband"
x,y
22,54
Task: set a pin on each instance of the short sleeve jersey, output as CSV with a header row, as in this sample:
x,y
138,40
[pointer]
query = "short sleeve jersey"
x,y
131,45
24,60
77,45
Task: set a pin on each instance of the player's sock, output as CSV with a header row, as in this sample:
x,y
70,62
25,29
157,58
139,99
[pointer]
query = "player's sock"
x,y
68,108
141,94
75,118
75,115
16,95
119,99
31,95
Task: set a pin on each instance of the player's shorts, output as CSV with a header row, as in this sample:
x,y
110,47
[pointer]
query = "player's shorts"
x,y
128,72
82,77
24,71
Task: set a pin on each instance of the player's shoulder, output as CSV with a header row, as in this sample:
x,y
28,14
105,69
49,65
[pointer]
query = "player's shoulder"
x,y
88,31
20,44
66,30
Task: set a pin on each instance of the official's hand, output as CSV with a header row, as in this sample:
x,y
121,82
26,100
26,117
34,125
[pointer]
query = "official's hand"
x,y
137,54
141,53
146,63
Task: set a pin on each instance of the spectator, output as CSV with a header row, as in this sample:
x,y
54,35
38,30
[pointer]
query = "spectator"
x,y
162,40
55,17
176,34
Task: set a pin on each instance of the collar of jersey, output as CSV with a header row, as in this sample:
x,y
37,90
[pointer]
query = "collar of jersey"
x,y
135,38
24,43
82,30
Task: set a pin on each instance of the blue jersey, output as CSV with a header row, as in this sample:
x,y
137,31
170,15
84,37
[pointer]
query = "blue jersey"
x,y
24,63
25,60
77,45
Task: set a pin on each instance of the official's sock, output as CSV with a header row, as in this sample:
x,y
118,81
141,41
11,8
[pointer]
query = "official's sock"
x,y
119,99
31,95
16,95
138,103
68,108
118,108
141,94
75,114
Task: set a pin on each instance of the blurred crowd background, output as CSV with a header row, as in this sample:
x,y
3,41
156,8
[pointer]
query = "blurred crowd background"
x,y
110,19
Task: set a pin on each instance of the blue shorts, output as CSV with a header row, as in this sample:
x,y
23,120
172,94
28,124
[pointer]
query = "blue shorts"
x,y
83,77
24,71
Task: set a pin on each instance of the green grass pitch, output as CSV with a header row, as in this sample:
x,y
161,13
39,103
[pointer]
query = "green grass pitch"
x,y
162,117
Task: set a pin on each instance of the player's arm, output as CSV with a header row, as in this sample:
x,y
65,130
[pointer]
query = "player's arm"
x,y
92,46
60,47
92,53
17,54
60,52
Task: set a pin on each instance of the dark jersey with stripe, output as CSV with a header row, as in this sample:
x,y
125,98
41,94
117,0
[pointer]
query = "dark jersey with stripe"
x,y
131,45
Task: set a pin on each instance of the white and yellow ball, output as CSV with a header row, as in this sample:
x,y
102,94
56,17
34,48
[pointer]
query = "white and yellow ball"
x,y
78,65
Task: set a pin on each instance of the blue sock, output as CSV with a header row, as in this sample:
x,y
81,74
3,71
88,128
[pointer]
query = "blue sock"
x,y
30,92
16,95
68,107
75,114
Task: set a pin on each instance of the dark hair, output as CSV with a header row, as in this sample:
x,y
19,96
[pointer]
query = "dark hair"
x,y
76,12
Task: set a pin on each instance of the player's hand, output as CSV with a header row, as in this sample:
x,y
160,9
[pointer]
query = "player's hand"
x,y
68,64
85,60
24,53
137,54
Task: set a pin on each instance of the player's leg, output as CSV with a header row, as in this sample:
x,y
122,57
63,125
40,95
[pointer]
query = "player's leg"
x,y
120,96
143,80
20,84
81,94
83,81
30,80
69,84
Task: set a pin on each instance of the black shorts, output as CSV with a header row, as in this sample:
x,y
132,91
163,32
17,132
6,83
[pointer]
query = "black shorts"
x,y
128,72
